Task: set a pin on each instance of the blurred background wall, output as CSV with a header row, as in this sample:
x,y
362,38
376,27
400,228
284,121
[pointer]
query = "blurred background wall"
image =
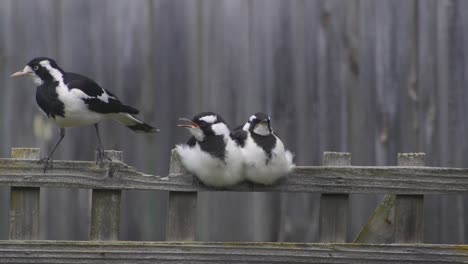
x,y
370,77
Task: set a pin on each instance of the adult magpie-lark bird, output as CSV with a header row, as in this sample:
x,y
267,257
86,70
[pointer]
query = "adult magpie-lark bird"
x,y
73,100
211,154
265,157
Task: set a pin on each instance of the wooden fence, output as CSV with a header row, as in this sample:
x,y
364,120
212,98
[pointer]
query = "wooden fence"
x,y
392,235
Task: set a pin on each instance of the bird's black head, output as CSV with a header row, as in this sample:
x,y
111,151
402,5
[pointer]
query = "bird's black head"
x,y
205,124
259,123
41,69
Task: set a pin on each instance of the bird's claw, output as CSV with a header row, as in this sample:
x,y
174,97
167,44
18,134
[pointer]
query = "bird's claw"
x,y
48,163
100,156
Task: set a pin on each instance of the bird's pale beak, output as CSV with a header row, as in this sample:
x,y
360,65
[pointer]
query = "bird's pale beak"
x,y
189,123
26,71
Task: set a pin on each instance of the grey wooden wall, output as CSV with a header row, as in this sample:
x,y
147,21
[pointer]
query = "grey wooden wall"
x,y
370,77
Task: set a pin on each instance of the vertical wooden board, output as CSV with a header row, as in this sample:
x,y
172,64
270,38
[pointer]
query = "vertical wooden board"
x,y
182,217
409,219
105,215
333,218
24,203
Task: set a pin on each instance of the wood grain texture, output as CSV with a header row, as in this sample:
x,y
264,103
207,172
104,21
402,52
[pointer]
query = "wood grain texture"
x,y
105,208
86,252
384,226
24,203
409,213
333,222
181,222
354,179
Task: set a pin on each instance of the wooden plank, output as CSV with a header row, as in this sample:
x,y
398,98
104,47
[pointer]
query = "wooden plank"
x,y
333,221
353,179
409,208
382,225
87,252
24,203
182,212
105,208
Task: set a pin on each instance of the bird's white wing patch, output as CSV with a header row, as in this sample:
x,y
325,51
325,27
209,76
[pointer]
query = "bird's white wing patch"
x,y
77,93
105,97
209,119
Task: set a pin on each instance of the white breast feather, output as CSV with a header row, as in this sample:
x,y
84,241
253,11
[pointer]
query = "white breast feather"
x,y
210,170
256,169
77,112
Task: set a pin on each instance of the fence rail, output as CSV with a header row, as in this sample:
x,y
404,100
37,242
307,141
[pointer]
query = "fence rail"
x,y
399,219
322,179
87,252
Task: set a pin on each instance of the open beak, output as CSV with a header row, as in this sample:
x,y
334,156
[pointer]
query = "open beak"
x,y
188,123
26,71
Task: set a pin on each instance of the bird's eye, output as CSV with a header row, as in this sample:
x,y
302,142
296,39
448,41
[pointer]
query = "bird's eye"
x,y
36,68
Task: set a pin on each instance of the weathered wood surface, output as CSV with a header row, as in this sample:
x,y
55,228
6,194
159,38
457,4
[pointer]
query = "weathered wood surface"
x,y
24,203
384,226
354,179
333,74
181,224
333,222
409,209
105,208
87,252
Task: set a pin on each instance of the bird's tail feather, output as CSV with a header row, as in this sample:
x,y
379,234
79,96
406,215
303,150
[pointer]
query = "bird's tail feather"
x,y
134,123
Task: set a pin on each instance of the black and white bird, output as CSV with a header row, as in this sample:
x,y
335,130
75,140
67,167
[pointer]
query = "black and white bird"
x,y
73,100
265,157
211,154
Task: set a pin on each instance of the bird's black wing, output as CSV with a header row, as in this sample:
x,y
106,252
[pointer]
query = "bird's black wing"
x,y
98,100
239,135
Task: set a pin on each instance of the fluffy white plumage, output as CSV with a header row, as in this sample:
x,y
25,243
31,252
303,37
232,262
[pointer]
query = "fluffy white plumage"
x,y
209,169
257,170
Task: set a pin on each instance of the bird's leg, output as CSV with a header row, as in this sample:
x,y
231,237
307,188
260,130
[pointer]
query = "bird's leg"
x,y
100,150
48,159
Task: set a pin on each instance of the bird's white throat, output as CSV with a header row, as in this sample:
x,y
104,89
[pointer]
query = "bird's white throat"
x,y
262,129
197,133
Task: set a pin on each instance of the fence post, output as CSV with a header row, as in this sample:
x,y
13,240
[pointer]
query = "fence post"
x,y
105,209
334,207
182,211
409,208
24,203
